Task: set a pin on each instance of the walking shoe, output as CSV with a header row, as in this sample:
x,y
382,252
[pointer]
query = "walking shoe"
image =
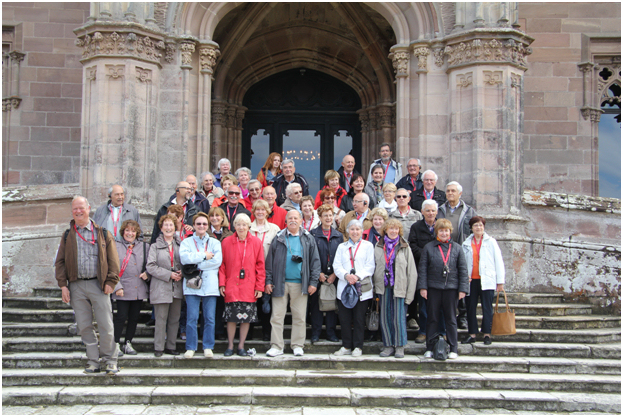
x,y
453,355
228,352
189,354
91,369
242,352
333,339
150,322
207,353
298,351
487,340
428,354
111,369
158,353
183,336
343,351
272,352
315,339
400,352
412,323
421,338
171,352
128,349
468,340
387,351
462,323
120,354
72,329
357,352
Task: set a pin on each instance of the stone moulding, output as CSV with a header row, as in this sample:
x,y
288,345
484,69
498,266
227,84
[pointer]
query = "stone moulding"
x,y
119,41
571,201
513,237
506,47
39,192
10,103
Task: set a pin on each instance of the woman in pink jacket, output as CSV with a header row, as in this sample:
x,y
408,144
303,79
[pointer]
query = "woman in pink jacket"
x,y
241,281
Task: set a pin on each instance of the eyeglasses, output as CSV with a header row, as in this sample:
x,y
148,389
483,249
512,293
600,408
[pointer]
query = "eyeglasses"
x,y
297,192
358,201
402,196
330,198
412,166
429,180
201,224
233,193
254,189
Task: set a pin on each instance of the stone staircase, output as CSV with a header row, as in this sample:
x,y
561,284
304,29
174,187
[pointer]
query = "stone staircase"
x,y
562,359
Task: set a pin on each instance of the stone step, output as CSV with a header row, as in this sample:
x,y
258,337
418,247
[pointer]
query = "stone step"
x,y
546,310
199,376
327,362
592,321
550,401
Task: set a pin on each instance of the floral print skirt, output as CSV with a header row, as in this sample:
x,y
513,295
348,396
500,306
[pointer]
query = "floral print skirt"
x,y
240,312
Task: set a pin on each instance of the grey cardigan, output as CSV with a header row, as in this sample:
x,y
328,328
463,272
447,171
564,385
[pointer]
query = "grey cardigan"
x,y
162,289
134,287
276,263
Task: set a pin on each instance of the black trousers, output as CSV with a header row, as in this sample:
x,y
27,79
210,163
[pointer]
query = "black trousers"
x,y
486,299
353,323
219,326
462,308
317,316
438,301
126,310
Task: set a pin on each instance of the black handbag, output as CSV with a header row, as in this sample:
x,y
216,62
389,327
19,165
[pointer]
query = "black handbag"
x,y
372,315
192,275
441,349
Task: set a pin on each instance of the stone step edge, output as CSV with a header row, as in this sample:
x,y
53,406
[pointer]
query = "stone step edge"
x,y
356,397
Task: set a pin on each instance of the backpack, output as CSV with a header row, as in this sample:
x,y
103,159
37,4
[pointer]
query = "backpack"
x,y
441,349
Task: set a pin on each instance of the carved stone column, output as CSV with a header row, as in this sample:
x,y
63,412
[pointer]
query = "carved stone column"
x,y
219,134
187,48
121,67
230,123
240,111
365,137
400,58
208,53
486,111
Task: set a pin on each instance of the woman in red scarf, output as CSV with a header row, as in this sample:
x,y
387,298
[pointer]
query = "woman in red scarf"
x,y
332,181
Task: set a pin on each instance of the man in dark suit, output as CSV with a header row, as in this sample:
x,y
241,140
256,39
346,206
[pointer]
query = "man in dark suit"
x,y
428,192
233,207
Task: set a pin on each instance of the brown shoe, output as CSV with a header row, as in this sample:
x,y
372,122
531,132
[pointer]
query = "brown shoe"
x,y
421,338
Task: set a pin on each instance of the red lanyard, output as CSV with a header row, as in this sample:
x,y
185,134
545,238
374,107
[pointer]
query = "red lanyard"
x,y
413,183
198,246
115,222
171,252
358,215
390,254
234,213
124,264
263,236
352,257
92,242
310,224
387,168
445,258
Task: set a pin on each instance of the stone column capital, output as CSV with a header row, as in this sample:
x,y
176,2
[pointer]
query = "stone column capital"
x,y
187,48
421,52
400,60
218,112
208,54
17,56
365,120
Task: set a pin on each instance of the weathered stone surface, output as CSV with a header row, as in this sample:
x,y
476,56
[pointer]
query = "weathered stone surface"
x,y
116,409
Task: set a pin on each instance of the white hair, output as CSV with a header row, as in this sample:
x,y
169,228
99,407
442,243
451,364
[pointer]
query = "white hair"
x,y
458,186
205,174
110,189
223,160
243,169
253,181
415,159
430,171
242,218
354,223
288,161
430,203
291,188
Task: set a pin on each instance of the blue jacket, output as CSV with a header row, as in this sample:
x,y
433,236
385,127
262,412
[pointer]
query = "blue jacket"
x,y
209,269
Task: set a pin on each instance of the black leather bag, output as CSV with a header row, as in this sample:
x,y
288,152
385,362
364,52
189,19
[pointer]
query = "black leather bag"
x,y
441,349
193,276
372,315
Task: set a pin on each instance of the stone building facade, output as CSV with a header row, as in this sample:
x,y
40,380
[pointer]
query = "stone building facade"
x,y
505,98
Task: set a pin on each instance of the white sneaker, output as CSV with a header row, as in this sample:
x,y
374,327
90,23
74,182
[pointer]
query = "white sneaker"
x,y
343,351
298,351
120,354
453,355
272,352
189,354
428,354
128,349
412,323
207,353
357,352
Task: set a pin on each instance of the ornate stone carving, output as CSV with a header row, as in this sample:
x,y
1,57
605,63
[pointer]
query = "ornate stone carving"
x,y
10,103
143,75
492,77
207,57
591,113
479,50
115,71
400,62
16,56
187,48
464,80
422,53
372,116
218,113
385,117
115,44
239,118
602,86
169,53
365,121
438,55
231,118
515,80
91,73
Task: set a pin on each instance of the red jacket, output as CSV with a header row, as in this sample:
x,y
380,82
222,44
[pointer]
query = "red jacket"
x,y
219,201
236,289
246,202
278,216
338,197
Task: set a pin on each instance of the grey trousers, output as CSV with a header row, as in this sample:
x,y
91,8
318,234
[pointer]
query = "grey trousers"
x,y
88,300
167,323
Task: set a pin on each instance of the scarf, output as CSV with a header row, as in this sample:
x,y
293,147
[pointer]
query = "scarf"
x,y
374,236
378,190
390,253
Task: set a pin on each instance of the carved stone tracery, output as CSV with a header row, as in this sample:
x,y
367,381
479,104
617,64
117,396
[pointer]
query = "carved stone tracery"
x,y
422,53
464,80
143,75
492,77
131,44
208,56
187,48
218,113
481,50
400,62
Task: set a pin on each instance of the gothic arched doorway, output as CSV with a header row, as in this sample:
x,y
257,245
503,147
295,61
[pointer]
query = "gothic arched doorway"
x,y
305,115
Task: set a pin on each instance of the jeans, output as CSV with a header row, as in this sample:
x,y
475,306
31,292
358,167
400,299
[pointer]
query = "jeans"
x,y
183,317
192,315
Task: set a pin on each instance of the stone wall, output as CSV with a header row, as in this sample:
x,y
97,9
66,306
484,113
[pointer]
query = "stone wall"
x,y
41,137
559,147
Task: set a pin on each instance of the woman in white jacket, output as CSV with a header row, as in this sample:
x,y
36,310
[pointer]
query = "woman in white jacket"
x,y
486,268
204,251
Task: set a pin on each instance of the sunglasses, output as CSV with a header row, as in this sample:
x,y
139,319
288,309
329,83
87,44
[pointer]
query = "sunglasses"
x,y
201,224
402,196
233,193
297,192
329,198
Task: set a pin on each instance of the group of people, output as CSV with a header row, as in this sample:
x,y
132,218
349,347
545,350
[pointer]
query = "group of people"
x,y
241,250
